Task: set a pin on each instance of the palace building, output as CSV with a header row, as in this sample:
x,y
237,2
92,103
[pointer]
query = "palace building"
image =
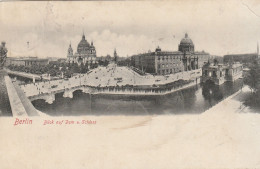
x,y
86,53
167,62
242,58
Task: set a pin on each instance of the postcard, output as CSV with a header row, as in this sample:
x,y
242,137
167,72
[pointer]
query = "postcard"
x,y
129,84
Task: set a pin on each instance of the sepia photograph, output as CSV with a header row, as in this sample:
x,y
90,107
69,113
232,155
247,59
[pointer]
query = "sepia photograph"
x,y
130,84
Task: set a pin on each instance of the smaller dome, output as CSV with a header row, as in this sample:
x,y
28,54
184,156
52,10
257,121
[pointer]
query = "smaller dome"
x,y
70,48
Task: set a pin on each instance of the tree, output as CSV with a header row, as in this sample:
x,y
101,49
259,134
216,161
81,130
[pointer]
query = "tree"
x,y
252,79
125,62
83,68
67,73
75,68
100,62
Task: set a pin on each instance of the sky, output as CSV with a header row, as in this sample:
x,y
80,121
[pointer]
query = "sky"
x,y
132,27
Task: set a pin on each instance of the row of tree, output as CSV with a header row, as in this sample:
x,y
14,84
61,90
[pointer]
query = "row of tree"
x,y
252,79
54,68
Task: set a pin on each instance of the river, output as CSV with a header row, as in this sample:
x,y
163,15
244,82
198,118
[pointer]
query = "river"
x,y
191,100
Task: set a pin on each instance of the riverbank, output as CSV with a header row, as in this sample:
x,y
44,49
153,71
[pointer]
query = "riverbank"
x,y
191,100
231,104
148,92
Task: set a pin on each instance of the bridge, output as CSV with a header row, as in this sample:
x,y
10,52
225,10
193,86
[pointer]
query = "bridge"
x,y
68,92
111,80
33,77
13,100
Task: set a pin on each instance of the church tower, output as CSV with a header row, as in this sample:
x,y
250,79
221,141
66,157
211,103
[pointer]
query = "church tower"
x,y
70,53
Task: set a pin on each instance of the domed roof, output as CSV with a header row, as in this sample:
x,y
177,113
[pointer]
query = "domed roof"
x,y
186,40
83,45
158,49
83,42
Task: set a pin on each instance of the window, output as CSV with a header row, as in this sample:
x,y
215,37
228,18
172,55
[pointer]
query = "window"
x,y
205,72
214,74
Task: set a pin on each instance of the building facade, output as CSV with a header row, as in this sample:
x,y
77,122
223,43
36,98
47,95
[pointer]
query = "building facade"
x,y
167,62
221,73
26,61
242,58
86,53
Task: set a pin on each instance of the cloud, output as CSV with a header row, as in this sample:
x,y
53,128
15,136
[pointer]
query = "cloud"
x,y
130,27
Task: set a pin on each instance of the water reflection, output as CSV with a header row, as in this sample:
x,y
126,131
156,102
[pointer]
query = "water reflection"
x,y
192,100
212,93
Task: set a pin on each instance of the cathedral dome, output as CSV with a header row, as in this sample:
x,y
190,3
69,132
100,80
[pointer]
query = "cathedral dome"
x,y
83,45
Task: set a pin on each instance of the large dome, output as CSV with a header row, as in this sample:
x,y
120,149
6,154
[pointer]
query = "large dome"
x,y
186,44
186,40
83,45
